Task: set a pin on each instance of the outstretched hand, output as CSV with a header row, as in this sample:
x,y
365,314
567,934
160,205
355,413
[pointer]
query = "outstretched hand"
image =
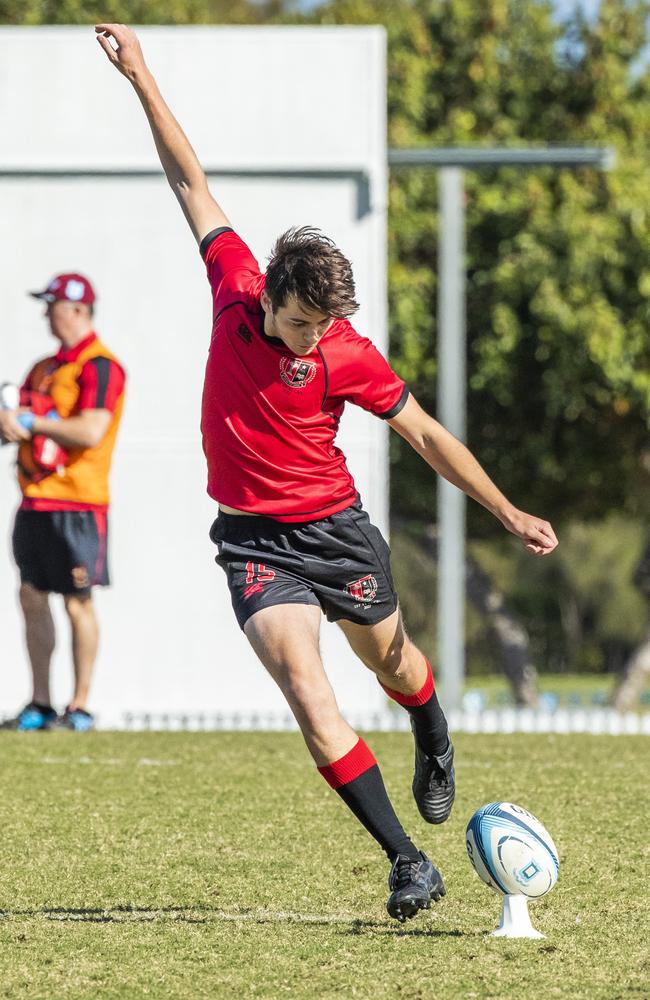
x,y
537,536
126,54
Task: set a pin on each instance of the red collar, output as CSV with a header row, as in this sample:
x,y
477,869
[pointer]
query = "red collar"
x,y
73,353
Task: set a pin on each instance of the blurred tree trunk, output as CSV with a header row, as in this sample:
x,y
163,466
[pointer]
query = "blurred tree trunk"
x,y
504,626
509,633
633,679
635,675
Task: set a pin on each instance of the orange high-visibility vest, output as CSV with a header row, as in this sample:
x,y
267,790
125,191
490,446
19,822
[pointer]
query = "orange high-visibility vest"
x,y
84,478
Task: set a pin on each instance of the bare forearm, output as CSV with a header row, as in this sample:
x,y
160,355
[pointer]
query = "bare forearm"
x,y
179,161
451,459
74,432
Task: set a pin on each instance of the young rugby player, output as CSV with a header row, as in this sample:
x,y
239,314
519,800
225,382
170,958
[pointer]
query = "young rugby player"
x,y
291,534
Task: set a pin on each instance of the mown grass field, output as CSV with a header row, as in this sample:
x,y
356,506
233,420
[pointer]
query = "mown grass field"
x,y
184,865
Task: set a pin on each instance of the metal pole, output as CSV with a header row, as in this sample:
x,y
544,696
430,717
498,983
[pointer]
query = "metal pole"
x,y
451,413
451,360
474,158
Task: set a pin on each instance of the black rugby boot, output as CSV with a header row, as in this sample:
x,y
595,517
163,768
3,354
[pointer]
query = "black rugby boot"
x,y
434,784
413,885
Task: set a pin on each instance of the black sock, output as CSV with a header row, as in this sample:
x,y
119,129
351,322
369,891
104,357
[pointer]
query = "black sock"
x,y
41,707
429,722
357,779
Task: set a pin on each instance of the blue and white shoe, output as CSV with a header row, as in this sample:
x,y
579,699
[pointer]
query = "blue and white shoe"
x,y
78,719
32,718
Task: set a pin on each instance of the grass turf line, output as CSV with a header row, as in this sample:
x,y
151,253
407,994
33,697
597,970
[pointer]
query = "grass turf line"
x,y
190,865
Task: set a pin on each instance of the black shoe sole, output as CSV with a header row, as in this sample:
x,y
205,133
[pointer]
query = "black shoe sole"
x,y
408,907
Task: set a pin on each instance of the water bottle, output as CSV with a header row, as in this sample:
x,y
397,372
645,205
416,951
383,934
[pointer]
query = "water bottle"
x,y
9,396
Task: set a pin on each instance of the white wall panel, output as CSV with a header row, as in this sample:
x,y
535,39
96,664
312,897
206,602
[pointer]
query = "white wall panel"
x,y
170,641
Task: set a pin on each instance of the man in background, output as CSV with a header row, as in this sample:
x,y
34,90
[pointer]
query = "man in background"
x,y
70,406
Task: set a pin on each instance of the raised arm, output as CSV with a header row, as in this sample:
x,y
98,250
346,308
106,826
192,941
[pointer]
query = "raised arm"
x,y
179,161
451,459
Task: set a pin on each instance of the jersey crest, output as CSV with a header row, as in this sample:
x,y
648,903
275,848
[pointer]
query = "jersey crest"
x,y
296,372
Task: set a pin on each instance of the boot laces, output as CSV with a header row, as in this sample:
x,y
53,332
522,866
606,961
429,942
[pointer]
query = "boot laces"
x,y
403,871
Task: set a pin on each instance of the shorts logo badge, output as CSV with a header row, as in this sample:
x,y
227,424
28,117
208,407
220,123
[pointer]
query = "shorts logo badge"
x,y
80,577
364,589
296,373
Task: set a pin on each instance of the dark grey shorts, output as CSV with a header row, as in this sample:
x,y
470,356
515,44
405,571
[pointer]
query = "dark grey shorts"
x,y
62,551
340,564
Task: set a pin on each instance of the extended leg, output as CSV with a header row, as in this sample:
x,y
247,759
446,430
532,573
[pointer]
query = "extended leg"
x,y
285,638
405,674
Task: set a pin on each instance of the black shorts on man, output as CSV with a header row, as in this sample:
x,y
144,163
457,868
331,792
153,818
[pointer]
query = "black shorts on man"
x,y
339,563
61,551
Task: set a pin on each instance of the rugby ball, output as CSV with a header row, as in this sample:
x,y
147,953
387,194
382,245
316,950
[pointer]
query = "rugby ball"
x,y
511,851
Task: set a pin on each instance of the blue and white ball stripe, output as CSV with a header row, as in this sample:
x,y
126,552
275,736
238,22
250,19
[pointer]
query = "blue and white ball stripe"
x,y
511,850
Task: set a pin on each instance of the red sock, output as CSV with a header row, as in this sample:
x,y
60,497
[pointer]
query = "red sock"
x,y
420,697
429,723
357,779
355,762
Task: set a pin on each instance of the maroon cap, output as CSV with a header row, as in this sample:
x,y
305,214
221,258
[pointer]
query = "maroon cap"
x,y
67,288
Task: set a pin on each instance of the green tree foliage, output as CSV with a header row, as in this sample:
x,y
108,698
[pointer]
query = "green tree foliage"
x,y
558,274
558,283
32,12
558,296
582,608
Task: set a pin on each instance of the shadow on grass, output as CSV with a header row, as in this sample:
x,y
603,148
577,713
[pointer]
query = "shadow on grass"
x,y
125,914
359,927
113,914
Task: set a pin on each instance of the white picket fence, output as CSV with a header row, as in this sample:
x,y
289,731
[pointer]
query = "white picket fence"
x,y
595,721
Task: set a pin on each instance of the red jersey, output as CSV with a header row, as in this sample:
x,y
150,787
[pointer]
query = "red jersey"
x,y
269,417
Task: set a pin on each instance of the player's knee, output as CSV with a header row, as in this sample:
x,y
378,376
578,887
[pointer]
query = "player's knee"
x,y
33,601
78,606
401,659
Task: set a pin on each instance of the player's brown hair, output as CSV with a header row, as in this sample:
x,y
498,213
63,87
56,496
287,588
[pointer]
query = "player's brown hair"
x,y
306,264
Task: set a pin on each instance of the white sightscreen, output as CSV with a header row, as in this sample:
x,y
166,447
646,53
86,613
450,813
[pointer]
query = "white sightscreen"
x,y
78,191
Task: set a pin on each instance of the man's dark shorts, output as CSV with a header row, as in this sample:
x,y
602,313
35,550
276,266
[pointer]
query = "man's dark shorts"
x,y
340,564
63,551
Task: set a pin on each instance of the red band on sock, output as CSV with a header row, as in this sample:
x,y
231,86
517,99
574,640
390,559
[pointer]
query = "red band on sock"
x,y
419,698
359,759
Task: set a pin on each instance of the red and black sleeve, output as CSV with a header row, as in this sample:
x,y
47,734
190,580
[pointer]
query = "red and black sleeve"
x,y
101,383
364,377
229,262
